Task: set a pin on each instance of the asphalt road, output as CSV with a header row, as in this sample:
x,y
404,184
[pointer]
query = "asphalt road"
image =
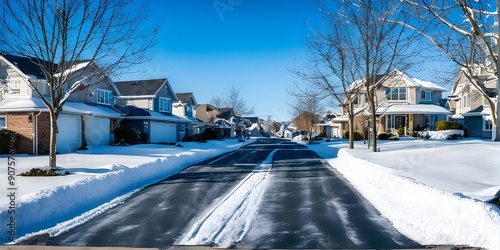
x,y
307,205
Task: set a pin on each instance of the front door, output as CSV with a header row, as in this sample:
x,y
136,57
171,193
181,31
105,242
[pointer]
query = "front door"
x,y
400,122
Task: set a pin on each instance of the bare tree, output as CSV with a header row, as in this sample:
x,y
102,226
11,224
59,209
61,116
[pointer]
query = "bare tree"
x,y
467,32
334,71
362,42
58,35
217,101
307,110
233,100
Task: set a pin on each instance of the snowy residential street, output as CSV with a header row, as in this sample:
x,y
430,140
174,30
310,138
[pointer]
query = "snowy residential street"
x,y
265,193
237,199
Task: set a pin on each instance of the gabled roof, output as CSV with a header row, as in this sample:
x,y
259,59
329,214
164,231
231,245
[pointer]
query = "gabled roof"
x,y
140,87
184,98
407,80
226,113
25,65
133,112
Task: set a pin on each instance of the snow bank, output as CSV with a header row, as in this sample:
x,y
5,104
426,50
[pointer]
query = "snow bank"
x,y
427,215
47,207
442,135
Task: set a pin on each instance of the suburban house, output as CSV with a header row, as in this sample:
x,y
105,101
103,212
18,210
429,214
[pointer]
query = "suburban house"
x,y
469,106
147,106
218,119
87,119
186,107
402,102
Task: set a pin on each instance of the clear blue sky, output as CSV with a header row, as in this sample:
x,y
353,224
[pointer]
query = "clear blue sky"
x,y
205,46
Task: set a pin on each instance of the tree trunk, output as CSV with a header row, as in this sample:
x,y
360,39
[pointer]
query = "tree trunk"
x,y
351,134
495,132
351,125
374,128
53,140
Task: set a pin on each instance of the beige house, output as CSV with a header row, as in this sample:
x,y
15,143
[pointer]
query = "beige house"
x,y
469,106
402,102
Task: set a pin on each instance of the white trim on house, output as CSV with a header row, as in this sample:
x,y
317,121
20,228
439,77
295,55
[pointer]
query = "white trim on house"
x,y
104,96
4,118
165,104
416,109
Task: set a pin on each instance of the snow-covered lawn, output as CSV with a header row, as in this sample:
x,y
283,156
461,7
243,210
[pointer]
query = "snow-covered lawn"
x,y
98,176
432,191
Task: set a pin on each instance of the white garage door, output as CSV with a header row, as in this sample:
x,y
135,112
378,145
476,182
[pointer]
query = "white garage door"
x,y
69,136
97,131
163,132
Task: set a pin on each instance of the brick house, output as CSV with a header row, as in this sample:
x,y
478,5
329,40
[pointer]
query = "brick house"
x,y
88,118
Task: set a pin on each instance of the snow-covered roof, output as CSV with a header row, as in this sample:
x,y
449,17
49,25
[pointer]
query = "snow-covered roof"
x,y
75,67
426,85
343,118
36,104
421,109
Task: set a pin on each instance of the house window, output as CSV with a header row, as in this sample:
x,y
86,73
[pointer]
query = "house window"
x,y
14,87
488,125
389,122
426,95
3,122
427,121
165,105
465,101
396,94
104,96
189,111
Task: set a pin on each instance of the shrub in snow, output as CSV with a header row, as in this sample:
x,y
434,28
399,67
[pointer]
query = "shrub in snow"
x,y
128,135
448,125
383,136
357,135
8,141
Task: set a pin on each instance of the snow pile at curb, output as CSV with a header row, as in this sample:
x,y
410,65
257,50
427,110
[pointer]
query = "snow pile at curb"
x,y
48,207
425,214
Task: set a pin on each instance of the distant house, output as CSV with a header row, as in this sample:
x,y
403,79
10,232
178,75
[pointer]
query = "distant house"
x,y
222,120
403,103
469,106
186,107
88,118
147,106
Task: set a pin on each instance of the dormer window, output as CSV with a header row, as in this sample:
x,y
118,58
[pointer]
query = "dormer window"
x,y
426,95
104,97
396,94
165,104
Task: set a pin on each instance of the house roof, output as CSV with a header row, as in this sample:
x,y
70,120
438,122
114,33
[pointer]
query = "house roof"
x,y
226,113
408,81
420,109
184,98
140,87
133,112
36,104
25,65
475,112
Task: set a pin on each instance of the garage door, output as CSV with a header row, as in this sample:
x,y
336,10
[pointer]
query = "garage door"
x,y
97,131
69,135
163,132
